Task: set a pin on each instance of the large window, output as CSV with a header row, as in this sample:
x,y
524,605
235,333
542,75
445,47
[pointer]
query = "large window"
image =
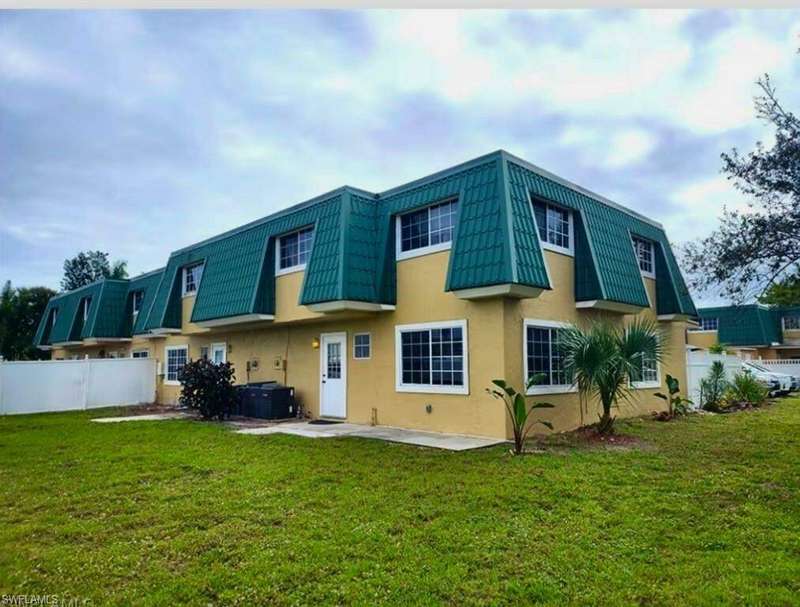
x,y
791,322
707,324
555,227
432,357
427,230
191,278
544,358
647,375
362,345
294,250
177,357
644,254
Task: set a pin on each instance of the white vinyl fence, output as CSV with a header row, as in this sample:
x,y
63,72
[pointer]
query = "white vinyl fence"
x,y
698,365
64,385
790,366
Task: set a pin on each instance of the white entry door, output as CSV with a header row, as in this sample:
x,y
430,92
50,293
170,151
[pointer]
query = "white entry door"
x,y
333,375
218,353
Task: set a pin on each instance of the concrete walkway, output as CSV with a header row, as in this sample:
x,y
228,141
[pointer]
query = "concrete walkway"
x,y
452,442
140,418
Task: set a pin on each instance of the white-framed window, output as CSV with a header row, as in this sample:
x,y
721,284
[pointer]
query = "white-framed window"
x,y
432,357
218,353
204,352
362,346
176,357
140,354
644,254
136,301
791,322
541,353
555,227
649,376
191,278
86,303
294,249
707,324
426,230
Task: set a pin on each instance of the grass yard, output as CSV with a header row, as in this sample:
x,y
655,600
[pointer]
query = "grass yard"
x,y
188,512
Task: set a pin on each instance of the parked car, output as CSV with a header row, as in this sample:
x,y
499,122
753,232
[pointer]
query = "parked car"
x,y
784,382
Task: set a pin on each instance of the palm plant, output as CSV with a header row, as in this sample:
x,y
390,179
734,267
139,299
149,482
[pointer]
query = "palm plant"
x,y
603,359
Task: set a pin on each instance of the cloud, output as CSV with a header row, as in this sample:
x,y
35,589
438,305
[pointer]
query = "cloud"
x,y
142,132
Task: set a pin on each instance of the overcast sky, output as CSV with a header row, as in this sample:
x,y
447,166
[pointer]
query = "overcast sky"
x,y
139,133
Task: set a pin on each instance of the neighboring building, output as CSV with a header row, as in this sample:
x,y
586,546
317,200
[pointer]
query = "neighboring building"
x,y
401,307
751,331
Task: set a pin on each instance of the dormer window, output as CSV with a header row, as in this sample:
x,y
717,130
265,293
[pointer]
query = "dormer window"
x,y
85,303
137,299
191,278
427,230
555,227
294,249
707,324
644,254
791,322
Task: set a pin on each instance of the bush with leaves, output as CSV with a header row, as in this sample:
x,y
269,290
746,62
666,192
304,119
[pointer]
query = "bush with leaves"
x,y
745,391
518,409
713,387
677,405
208,388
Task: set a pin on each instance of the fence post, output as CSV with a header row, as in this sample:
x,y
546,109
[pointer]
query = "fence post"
x,y
87,367
2,401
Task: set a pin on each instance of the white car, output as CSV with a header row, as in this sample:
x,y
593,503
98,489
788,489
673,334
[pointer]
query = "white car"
x,y
784,381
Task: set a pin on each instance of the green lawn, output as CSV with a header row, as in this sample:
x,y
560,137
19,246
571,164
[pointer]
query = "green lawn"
x,y
708,512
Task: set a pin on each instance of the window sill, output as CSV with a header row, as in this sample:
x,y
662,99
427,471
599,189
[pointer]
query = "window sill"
x,y
437,248
646,385
290,270
426,389
556,249
168,382
651,275
536,390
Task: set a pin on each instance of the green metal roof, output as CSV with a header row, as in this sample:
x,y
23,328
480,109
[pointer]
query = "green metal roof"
x,y
749,325
353,255
110,310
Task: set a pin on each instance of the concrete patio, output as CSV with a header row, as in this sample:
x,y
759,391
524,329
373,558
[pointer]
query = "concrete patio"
x,y
452,442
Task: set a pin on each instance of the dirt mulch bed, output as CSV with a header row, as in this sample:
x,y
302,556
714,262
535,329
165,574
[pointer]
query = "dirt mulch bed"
x,y
149,409
585,438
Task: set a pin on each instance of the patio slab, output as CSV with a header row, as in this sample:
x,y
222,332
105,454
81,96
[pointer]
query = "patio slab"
x,y
437,440
140,418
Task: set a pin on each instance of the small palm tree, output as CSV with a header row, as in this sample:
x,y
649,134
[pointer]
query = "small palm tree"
x,y
603,358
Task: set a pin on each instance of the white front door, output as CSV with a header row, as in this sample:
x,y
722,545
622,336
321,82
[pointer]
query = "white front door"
x,y
333,375
218,353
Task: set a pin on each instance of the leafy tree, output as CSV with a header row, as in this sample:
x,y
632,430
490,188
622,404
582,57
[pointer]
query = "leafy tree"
x,y
603,359
758,248
20,311
88,266
783,293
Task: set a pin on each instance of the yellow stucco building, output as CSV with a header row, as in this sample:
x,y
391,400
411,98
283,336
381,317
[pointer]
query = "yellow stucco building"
x,y
400,308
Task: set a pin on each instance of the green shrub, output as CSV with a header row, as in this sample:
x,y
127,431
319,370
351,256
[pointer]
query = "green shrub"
x,y
677,404
745,390
208,388
518,410
713,387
